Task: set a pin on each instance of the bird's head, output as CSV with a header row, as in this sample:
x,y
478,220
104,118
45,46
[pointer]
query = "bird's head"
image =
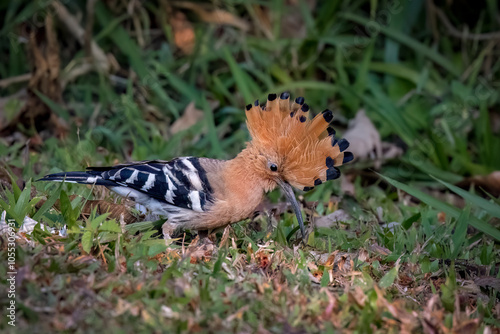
x,y
292,150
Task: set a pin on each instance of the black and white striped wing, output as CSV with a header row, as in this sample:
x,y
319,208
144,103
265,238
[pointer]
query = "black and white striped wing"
x,y
181,182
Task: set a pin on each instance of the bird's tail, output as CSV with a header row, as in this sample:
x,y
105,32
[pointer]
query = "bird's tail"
x,y
78,177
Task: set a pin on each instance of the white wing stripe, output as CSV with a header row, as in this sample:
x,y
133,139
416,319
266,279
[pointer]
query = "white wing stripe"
x,y
149,182
194,197
169,196
169,174
132,177
192,174
92,179
113,177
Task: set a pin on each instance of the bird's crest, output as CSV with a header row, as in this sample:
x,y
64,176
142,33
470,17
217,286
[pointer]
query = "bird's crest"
x,y
305,149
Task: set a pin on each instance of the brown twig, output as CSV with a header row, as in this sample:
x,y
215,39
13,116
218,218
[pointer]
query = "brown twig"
x,y
13,80
462,34
88,28
99,57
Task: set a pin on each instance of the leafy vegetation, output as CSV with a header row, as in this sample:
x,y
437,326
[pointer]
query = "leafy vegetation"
x,y
412,247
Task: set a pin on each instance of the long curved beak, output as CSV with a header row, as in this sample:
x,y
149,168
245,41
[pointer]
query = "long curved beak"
x,y
290,196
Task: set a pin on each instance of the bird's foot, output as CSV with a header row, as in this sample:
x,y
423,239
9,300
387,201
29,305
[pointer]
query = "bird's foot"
x,y
168,230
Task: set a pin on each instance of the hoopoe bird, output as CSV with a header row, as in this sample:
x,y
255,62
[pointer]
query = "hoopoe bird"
x,y
287,149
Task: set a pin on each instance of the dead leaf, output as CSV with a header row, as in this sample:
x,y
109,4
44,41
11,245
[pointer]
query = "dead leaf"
x,y
331,259
201,249
262,259
347,184
7,173
487,281
45,78
467,326
332,307
291,19
408,319
329,220
121,307
224,241
238,314
208,13
363,255
184,36
365,142
167,312
433,315
376,248
190,117
490,183
357,296
116,211
363,138
293,24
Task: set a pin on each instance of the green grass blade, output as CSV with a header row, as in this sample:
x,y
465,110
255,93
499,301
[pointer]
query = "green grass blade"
x,y
404,39
385,108
60,111
48,203
144,226
388,278
23,200
325,279
9,208
460,235
409,222
97,221
122,40
445,207
87,240
240,76
307,84
404,72
215,142
491,208
363,71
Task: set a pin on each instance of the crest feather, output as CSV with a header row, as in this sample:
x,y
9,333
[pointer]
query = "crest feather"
x,y
307,153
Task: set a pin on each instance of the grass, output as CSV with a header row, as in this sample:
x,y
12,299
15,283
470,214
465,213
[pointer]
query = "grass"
x,y
415,252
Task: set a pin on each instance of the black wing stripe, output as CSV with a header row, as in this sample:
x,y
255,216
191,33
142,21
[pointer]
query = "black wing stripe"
x,y
179,174
142,179
124,174
159,188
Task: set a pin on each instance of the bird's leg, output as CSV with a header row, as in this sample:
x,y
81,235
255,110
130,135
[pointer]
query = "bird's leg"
x,y
168,230
203,234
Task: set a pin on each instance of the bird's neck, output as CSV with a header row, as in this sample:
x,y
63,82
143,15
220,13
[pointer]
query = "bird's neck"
x,y
244,180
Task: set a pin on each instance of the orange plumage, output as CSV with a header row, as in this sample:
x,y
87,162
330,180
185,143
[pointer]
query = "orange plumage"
x,y
305,156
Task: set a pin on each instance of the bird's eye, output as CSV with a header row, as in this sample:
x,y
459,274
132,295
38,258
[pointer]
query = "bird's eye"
x,y
273,167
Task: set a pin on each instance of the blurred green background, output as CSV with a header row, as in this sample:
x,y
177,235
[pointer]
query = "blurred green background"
x,y
426,74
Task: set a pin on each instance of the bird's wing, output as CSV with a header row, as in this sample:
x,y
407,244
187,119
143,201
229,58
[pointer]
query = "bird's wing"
x,y
181,182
